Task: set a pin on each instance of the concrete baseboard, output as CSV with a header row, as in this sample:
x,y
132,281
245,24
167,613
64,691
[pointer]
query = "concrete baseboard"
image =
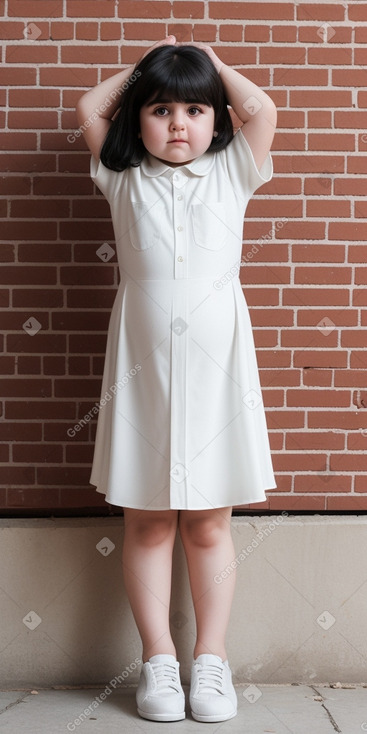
x,y
297,617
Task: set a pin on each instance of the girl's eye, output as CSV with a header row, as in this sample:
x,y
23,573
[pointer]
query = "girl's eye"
x,y
193,111
160,111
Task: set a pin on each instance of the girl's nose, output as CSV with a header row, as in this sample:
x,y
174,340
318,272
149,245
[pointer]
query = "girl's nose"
x,y
177,123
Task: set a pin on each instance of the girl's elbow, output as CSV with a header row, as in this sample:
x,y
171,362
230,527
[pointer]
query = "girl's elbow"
x,y
80,109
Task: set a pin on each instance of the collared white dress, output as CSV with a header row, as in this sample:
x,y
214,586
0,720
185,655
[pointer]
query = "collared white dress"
x,y
181,421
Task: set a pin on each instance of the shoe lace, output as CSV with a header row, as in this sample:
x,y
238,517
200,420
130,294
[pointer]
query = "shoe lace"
x,y
210,679
166,678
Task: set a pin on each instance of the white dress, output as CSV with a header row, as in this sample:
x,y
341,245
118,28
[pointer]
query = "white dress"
x,y
181,422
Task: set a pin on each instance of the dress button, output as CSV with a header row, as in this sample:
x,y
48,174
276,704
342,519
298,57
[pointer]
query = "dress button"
x,y
179,198
180,228
180,259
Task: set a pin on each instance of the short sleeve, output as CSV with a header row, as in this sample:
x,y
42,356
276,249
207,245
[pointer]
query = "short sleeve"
x,y
107,181
241,168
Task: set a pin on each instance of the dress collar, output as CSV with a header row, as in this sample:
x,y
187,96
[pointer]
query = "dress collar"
x,y
152,166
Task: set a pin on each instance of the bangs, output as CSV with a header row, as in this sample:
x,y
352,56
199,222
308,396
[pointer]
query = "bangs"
x,y
177,80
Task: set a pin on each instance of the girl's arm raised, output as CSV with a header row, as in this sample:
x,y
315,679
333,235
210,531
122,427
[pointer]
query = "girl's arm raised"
x,y
256,110
96,108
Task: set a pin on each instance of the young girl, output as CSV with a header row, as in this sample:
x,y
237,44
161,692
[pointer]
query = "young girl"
x,y
181,433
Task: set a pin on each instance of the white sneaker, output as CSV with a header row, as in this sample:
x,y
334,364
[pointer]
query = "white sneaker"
x,y
212,695
159,695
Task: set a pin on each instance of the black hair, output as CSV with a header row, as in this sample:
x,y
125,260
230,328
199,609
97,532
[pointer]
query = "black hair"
x,y
179,73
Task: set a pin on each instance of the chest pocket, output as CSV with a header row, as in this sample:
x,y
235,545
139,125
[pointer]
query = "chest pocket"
x,y
210,225
144,224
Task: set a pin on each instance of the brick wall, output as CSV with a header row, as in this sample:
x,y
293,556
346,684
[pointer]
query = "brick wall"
x,y
304,253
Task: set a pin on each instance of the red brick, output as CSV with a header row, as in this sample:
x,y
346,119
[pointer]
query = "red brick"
x,y
11,30
357,11
315,253
84,54
31,498
353,119
40,342
283,34
327,208
230,32
351,378
28,162
330,56
349,504
251,11
96,9
34,98
320,11
353,77
44,252
110,31
317,378
37,298
54,76
283,55
35,410
40,8
86,31
318,98
256,33
79,321
28,365
322,275
144,31
144,9
358,360
319,118
19,431
17,475
7,365
322,482
45,453
300,77
83,498
204,32
14,75
182,31
347,231
310,398
62,31
182,9
39,119
79,454
307,358
31,54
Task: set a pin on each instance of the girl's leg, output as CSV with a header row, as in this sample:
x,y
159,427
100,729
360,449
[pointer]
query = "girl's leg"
x,y
207,540
147,569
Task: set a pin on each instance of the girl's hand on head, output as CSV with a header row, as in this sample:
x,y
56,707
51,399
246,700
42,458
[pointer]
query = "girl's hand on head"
x,y
168,41
208,50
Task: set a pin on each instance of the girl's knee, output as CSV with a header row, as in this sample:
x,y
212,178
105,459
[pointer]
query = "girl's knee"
x,y
204,530
150,528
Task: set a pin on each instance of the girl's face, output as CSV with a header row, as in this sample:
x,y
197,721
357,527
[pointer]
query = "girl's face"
x,y
176,132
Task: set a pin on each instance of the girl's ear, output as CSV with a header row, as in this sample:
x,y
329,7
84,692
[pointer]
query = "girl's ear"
x,y
139,135
215,134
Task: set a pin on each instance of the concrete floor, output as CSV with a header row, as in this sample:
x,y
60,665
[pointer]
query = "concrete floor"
x,y
270,709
